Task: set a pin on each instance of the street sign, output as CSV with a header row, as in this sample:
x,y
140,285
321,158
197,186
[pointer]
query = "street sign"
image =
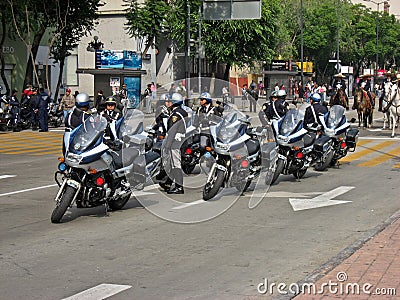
x,y
231,9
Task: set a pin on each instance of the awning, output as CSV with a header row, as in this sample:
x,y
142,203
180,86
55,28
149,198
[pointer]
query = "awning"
x,y
124,72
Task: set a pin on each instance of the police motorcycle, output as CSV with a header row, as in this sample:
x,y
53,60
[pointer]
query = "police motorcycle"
x,y
289,135
5,114
336,127
94,171
237,151
56,116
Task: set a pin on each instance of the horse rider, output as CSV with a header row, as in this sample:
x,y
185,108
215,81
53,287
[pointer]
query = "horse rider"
x,y
79,113
262,115
176,129
365,85
388,80
340,84
312,113
396,82
278,106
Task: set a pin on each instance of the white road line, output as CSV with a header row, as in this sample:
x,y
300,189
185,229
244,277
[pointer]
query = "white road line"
x,y
6,176
28,190
189,204
102,291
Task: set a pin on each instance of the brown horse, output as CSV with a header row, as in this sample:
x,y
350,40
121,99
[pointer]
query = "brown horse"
x,y
364,108
339,99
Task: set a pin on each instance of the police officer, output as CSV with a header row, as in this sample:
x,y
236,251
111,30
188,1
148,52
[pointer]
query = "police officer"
x,y
162,114
110,113
43,110
34,104
205,113
262,115
176,129
278,106
79,113
312,113
15,109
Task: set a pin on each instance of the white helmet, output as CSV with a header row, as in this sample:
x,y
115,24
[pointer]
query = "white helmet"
x,y
176,99
82,100
281,94
164,97
316,97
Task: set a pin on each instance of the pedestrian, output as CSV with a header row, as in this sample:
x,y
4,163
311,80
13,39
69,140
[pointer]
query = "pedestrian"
x,y
67,102
225,94
300,90
146,99
34,105
276,88
153,91
253,85
176,129
172,89
43,110
253,97
15,110
245,96
261,89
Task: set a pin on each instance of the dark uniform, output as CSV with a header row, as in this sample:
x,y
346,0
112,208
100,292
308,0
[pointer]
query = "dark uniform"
x,y
206,114
43,110
75,117
176,130
162,114
262,115
277,109
311,116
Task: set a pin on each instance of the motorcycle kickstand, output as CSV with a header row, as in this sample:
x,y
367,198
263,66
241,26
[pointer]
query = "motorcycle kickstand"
x,y
106,208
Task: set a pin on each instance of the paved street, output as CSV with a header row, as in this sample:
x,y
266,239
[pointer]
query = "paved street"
x,y
143,256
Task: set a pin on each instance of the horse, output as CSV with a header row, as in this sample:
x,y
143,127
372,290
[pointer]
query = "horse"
x,y
364,108
339,99
394,102
385,103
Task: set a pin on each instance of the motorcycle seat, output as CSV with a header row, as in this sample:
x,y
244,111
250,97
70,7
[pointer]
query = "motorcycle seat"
x,y
253,146
309,139
151,156
124,157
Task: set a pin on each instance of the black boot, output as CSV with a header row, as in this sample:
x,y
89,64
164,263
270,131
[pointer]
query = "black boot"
x,y
178,189
166,186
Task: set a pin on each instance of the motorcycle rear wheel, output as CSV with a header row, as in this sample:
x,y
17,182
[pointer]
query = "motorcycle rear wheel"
x,y
63,204
212,187
120,203
299,173
188,169
322,166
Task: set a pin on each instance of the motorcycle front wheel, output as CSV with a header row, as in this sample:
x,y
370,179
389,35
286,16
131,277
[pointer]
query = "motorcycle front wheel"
x,y
299,173
212,187
120,203
278,170
63,204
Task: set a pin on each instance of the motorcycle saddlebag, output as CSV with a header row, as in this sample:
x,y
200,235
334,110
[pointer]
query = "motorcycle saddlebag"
x,y
269,152
352,138
320,142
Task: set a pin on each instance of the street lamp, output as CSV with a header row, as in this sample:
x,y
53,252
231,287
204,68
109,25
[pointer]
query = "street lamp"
x,y
95,45
377,32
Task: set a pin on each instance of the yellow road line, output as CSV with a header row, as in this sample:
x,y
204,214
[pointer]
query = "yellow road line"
x,y
18,150
396,166
381,158
364,152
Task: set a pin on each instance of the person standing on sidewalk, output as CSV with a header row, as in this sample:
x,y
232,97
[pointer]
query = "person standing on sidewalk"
x,y
43,112
67,102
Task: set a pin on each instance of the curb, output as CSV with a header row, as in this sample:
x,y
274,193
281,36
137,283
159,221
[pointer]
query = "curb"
x,y
336,260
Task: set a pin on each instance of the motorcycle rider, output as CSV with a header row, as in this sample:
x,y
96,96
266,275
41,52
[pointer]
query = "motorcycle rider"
x,y
389,77
263,112
176,129
312,113
205,113
278,106
79,113
110,113
365,86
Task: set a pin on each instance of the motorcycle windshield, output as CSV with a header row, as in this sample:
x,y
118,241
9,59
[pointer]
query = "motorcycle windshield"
x,y
131,124
89,133
290,121
231,127
334,116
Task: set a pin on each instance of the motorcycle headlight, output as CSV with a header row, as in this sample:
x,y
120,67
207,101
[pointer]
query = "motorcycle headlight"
x,y
74,158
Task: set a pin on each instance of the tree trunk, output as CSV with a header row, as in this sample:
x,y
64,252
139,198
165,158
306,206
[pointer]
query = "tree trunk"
x,y
30,66
62,62
226,73
3,63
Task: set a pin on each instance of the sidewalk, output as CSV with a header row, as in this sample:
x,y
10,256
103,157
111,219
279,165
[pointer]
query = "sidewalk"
x,y
371,272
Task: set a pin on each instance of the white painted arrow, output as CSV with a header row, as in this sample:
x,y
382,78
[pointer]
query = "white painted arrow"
x,y
322,200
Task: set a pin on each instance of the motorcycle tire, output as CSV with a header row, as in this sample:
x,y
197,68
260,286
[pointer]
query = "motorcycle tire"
x,y
243,187
120,203
188,169
211,188
278,170
322,166
3,128
299,173
63,204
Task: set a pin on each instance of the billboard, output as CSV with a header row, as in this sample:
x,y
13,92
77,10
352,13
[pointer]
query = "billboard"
x,y
118,59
